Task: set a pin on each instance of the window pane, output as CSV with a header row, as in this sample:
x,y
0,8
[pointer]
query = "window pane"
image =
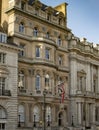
x,y
37,51
21,27
21,53
35,32
2,85
21,113
47,54
2,57
37,82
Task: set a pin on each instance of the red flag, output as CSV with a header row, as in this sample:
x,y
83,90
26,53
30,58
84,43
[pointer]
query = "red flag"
x,y
61,91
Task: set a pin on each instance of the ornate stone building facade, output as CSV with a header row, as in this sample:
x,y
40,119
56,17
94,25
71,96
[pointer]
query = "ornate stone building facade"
x,y
8,83
51,54
42,33
84,83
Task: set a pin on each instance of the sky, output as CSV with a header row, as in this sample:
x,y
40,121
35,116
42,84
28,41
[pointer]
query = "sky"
x,y
82,17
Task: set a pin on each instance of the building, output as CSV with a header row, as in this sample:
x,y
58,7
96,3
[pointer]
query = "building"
x,y
42,33
84,83
8,83
50,55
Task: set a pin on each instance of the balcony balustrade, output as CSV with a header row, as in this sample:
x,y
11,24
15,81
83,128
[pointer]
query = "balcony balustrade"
x,y
5,93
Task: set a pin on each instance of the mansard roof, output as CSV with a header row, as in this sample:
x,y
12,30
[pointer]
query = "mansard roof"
x,y
45,7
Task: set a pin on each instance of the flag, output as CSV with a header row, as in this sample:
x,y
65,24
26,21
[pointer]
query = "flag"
x,y
61,91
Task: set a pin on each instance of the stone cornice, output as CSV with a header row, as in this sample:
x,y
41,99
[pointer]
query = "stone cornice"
x,y
5,45
28,14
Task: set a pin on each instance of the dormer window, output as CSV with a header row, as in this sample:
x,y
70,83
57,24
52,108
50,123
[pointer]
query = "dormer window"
x,y
48,17
36,11
60,21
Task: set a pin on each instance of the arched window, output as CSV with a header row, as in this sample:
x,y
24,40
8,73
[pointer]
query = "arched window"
x,y
35,32
21,83
37,82
21,27
48,115
36,115
21,113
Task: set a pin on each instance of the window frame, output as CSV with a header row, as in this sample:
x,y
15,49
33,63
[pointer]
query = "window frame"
x,y
37,82
2,58
21,27
47,53
37,52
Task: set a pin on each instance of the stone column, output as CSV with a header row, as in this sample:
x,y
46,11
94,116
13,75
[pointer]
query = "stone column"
x,y
98,81
88,78
73,76
79,113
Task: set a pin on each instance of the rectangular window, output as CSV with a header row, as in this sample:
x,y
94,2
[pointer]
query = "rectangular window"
x,y
2,126
23,4
60,60
48,17
36,11
3,38
94,85
97,113
2,85
47,53
38,51
21,52
2,57
37,82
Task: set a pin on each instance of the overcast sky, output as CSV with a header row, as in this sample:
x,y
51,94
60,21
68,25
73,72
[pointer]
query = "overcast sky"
x,y
82,17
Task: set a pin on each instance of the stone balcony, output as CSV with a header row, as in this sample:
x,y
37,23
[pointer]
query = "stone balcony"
x,y
84,47
5,93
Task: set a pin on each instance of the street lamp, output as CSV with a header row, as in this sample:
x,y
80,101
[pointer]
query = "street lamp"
x,y
44,105
72,121
34,121
19,123
48,120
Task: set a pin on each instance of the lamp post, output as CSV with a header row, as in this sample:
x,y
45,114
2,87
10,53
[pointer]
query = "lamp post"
x,y
72,121
48,120
44,112
19,125
34,121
